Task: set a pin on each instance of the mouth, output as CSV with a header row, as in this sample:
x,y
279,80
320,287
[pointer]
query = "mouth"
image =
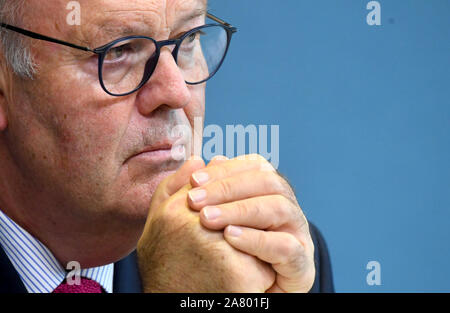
x,y
164,152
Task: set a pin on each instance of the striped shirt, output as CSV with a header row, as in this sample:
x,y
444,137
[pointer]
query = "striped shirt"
x,y
38,269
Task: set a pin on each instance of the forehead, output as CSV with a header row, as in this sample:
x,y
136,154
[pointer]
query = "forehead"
x,y
154,11
103,17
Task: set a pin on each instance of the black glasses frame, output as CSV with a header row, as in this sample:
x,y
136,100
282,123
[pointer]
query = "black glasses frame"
x,y
101,51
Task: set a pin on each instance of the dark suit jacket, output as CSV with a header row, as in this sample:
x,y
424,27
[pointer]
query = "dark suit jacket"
x,y
126,275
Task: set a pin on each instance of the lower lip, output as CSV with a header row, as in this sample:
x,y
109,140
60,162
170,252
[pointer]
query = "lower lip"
x,y
157,156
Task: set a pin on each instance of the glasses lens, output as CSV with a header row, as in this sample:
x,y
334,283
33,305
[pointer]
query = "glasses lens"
x,y
126,63
201,53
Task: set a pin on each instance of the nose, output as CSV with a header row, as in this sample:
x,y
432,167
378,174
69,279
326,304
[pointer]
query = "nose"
x,y
166,86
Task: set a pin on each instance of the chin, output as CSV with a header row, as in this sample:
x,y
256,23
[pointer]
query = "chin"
x,y
134,203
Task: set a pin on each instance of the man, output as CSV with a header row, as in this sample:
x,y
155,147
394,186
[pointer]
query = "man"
x,y
87,146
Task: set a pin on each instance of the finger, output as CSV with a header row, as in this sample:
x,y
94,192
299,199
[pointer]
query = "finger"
x,y
221,170
176,181
202,175
293,262
274,212
218,159
182,176
238,187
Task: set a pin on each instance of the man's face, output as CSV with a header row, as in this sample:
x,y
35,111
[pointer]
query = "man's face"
x,y
82,148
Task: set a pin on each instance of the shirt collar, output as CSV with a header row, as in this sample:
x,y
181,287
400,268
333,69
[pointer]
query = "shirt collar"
x,y
38,269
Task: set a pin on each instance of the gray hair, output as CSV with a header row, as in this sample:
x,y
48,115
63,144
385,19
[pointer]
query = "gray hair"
x,y
15,47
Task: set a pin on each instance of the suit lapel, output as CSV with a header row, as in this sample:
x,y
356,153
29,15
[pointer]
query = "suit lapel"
x,y
126,275
10,281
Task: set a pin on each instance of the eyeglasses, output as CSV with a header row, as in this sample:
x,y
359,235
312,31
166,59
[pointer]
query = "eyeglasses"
x,y
126,64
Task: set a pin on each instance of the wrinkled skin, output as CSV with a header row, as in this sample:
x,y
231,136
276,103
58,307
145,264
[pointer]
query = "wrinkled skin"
x,y
74,175
65,144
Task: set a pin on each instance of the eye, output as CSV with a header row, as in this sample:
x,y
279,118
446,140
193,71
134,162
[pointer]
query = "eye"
x,y
116,53
196,35
191,37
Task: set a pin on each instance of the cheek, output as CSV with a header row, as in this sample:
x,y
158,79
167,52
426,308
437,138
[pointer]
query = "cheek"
x,y
83,128
87,142
84,162
74,143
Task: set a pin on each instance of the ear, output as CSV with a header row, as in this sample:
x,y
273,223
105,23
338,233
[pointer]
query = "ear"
x,y
5,86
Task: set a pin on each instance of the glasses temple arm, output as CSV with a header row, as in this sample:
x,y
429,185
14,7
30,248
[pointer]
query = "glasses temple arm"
x,y
68,44
42,37
218,20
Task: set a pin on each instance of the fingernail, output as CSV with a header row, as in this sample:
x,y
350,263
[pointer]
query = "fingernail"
x,y
211,213
200,177
234,231
197,195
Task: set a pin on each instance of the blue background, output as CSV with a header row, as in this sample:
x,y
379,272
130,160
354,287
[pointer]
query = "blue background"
x,y
364,117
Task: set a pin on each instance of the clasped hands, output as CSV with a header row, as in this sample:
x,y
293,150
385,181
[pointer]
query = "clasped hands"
x,y
232,226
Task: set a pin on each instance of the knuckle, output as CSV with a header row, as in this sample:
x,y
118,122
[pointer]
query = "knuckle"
x,y
260,242
244,210
291,250
264,164
225,187
217,171
260,158
281,184
283,208
272,181
285,188
286,212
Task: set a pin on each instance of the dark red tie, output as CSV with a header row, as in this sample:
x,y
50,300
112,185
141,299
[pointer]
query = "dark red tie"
x,y
86,286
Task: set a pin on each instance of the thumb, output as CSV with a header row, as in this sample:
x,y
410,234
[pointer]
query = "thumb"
x,y
176,181
182,177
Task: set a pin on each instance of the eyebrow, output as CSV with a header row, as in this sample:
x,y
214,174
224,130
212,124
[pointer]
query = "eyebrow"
x,y
192,15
